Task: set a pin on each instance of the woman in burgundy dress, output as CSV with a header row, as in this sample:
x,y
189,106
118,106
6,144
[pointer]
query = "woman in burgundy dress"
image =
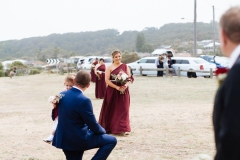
x,y
93,75
114,116
100,87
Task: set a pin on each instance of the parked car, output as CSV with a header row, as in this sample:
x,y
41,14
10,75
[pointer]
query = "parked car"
x,y
75,59
221,62
80,62
86,62
107,60
192,63
146,62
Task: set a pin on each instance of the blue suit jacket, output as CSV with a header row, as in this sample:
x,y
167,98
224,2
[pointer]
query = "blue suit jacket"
x,y
76,122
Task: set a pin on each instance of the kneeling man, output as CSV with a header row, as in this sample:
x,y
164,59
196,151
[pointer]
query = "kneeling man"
x,y
77,128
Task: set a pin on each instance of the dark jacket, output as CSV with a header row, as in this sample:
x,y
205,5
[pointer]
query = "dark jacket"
x,y
226,116
76,121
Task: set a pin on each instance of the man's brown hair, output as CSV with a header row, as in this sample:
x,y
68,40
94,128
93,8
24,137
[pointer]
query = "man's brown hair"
x,y
230,23
82,79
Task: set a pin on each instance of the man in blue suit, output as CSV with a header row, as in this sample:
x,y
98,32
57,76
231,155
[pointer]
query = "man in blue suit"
x,y
77,128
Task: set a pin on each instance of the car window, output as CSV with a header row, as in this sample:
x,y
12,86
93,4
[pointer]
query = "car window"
x,y
178,61
185,62
209,59
142,61
199,61
150,61
76,60
204,57
90,59
81,60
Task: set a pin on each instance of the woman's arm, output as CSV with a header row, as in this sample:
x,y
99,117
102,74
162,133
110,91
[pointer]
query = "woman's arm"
x,y
95,69
129,75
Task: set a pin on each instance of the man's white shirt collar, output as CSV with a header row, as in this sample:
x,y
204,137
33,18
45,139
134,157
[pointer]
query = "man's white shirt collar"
x,y
78,88
234,56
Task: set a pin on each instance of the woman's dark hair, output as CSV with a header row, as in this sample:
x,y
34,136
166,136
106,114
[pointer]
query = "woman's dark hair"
x,y
101,59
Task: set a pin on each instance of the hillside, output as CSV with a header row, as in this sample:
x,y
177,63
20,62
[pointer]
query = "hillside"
x,y
101,42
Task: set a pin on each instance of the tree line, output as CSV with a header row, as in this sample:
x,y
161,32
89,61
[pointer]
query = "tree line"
x,y
103,42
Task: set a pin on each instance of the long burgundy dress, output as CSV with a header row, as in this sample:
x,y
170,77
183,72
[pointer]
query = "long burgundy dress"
x,y
114,116
100,87
93,75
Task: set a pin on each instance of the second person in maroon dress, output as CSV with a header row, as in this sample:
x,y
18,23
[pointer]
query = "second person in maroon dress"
x,y
114,116
100,87
93,75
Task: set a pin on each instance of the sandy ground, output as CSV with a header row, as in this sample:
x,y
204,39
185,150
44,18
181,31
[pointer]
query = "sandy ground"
x,y
170,118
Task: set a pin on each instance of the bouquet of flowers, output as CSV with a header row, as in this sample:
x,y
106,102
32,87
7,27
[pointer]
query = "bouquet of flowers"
x,y
221,74
55,99
121,78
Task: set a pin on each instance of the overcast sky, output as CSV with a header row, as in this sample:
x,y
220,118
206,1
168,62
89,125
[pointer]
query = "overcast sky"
x,y
33,18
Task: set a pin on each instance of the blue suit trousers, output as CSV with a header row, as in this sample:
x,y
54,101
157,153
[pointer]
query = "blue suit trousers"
x,y
104,142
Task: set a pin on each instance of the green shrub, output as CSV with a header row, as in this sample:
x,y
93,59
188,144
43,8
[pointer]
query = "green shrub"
x,y
2,74
34,71
1,66
6,73
129,57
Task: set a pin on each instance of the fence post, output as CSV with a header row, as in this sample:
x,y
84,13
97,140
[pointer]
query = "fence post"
x,y
140,69
211,73
167,71
179,73
61,70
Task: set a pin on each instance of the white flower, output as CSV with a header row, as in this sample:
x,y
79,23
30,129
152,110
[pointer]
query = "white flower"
x,y
124,76
51,99
55,99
